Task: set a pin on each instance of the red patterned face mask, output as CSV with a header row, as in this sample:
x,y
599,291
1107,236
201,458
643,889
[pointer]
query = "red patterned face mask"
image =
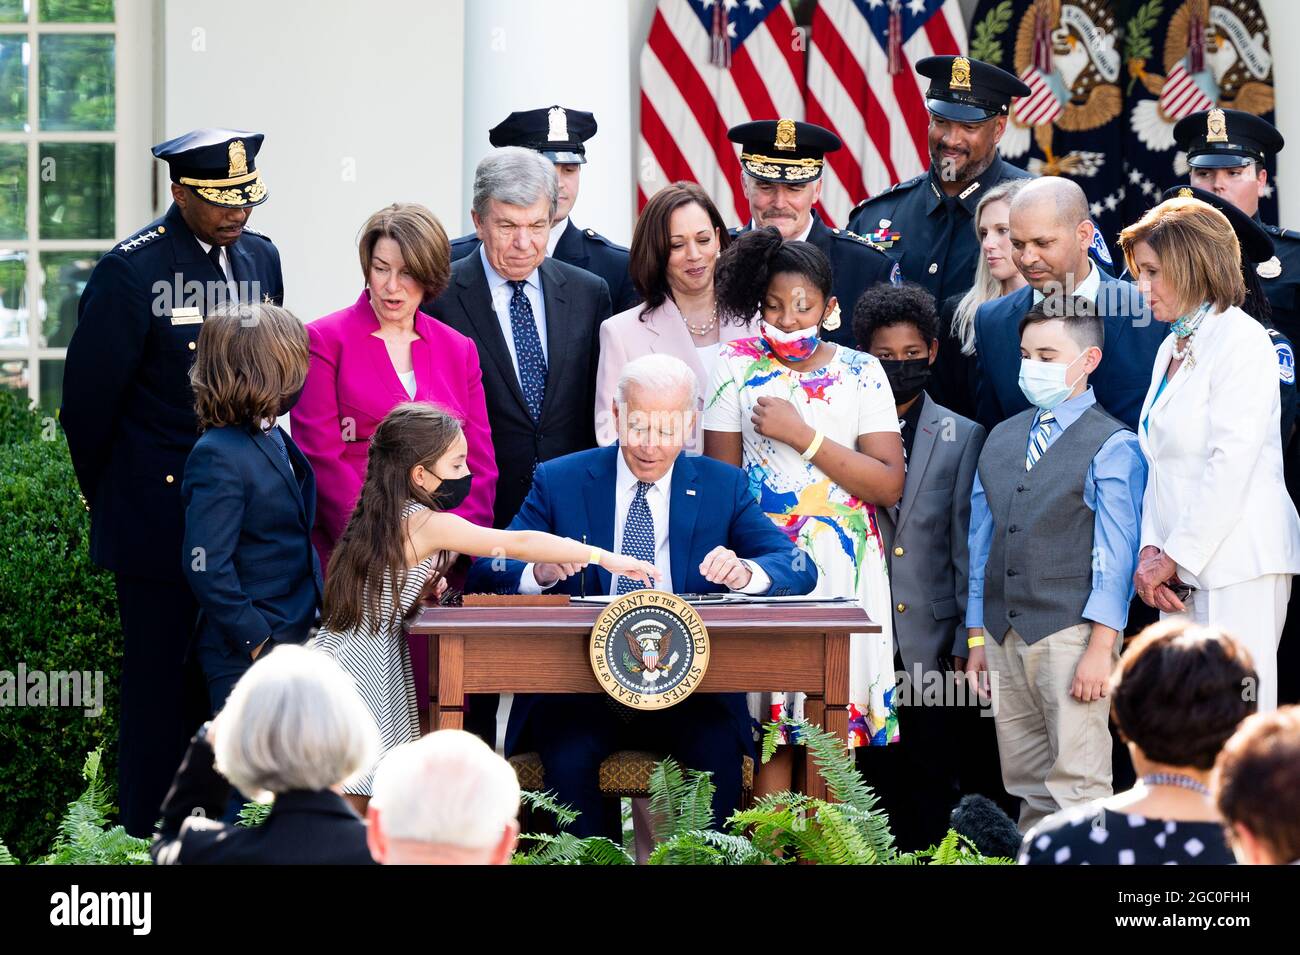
x,y
797,345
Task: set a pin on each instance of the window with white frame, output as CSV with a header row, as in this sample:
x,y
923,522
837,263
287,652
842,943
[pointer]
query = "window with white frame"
x,y
66,135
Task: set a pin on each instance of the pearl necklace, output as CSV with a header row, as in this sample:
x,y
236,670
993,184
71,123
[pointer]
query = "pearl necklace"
x,y
702,330
1183,352
1185,329
1175,779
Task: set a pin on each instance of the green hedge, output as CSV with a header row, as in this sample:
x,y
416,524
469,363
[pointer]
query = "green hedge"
x,y
57,613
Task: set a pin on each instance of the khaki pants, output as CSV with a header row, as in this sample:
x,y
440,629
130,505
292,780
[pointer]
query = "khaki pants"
x,y
1054,750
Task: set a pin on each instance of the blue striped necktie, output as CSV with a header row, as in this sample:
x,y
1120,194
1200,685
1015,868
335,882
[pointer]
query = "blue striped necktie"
x,y
1038,439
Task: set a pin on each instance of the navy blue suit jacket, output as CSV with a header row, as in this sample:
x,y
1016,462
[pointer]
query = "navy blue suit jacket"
x,y
128,408
1132,338
709,505
257,574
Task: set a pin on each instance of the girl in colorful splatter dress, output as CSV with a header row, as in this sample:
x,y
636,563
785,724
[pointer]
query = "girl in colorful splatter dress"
x,y
814,425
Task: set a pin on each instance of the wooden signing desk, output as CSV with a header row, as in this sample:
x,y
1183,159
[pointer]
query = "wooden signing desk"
x,y
530,649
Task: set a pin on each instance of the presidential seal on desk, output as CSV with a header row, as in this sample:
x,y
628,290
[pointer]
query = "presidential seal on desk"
x,y
649,649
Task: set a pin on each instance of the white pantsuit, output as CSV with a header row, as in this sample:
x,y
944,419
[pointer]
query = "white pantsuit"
x,y
1215,500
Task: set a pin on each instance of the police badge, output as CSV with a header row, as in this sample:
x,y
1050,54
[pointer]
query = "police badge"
x,y
1269,269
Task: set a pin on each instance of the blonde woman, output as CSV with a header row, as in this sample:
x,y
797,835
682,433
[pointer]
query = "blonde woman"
x,y
952,383
1220,536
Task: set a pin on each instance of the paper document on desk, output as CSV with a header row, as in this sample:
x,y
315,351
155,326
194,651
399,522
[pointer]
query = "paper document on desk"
x,y
721,598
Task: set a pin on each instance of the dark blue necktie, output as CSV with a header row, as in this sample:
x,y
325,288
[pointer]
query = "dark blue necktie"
x,y
638,536
528,350
214,256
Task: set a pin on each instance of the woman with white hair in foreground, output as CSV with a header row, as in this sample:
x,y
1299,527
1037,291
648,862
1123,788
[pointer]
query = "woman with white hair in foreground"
x,y
445,799
293,729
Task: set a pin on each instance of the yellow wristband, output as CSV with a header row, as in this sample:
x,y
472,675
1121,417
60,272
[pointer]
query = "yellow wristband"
x,y
813,446
973,642
596,555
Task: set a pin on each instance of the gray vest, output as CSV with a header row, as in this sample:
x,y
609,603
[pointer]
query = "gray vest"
x,y
1039,572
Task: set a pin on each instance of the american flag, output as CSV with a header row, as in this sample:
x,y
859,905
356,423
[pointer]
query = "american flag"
x,y
707,66
1181,95
862,85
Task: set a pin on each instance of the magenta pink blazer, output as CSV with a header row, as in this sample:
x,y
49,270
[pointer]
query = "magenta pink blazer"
x,y
351,381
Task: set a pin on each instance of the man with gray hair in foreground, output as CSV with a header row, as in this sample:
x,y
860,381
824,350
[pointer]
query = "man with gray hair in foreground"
x,y
1051,235
696,520
445,799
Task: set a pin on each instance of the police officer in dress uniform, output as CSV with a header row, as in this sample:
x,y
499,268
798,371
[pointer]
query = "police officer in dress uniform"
x,y
128,412
1226,150
781,168
560,135
926,222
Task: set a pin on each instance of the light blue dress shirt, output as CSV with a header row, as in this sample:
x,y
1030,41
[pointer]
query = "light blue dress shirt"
x,y
1112,490
501,293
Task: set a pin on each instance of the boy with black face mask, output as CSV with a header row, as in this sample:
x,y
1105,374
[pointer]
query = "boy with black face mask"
x,y
926,547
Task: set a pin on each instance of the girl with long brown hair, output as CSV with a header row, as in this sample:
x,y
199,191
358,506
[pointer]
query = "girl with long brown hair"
x,y
396,541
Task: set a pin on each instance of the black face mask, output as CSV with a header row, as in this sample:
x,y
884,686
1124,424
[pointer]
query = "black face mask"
x,y
907,378
287,403
451,493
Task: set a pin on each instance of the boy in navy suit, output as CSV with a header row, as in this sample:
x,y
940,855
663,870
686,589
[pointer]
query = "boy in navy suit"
x,y
695,519
249,495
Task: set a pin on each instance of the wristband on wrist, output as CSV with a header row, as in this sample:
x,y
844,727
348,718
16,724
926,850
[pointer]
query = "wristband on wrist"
x,y
595,556
973,642
813,446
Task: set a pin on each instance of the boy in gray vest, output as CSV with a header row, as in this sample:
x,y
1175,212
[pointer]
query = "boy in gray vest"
x,y
1056,513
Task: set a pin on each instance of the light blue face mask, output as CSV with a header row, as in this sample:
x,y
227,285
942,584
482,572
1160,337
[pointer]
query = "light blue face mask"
x,y
1043,382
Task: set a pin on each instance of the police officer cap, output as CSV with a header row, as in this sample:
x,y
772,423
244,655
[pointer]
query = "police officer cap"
x,y
1256,244
1223,138
218,164
555,132
968,91
783,150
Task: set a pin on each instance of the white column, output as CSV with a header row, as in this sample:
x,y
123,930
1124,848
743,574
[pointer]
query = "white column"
x,y
1283,18
360,104
520,54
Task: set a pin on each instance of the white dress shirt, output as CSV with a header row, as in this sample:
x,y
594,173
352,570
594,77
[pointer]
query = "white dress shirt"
x,y
225,263
657,498
553,239
1088,288
501,293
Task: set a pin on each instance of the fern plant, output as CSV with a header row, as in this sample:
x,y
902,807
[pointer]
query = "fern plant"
x,y
253,814
565,848
83,838
778,829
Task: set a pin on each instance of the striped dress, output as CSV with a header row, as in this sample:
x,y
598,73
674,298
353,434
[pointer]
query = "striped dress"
x,y
379,660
